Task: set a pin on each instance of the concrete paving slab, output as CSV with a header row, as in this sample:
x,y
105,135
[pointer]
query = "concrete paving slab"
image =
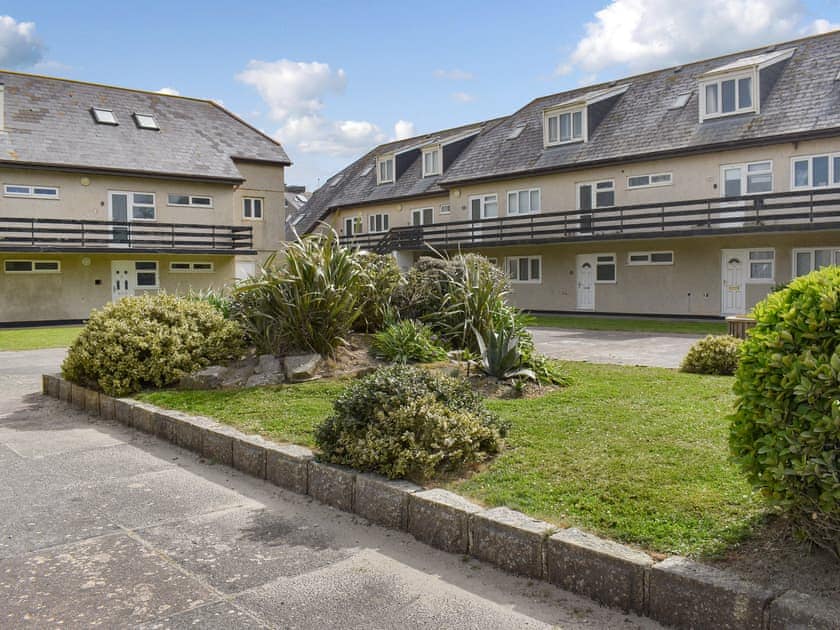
x,y
619,348
216,616
94,582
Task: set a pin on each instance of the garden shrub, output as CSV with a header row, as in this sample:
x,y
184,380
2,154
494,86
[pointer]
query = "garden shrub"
x,y
149,340
382,278
714,354
308,302
785,432
408,422
426,285
407,341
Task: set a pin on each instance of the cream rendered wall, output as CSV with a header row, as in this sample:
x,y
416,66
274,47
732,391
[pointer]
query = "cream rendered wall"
x,y
72,293
264,181
399,213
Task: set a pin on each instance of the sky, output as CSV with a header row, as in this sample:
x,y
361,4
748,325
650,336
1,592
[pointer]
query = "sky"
x,y
331,80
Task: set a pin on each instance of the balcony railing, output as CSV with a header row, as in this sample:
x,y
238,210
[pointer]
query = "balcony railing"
x,y
791,211
72,234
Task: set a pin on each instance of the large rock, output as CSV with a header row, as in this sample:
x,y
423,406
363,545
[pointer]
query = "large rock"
x,y
301,367
268,364
266,378
237,376
210,377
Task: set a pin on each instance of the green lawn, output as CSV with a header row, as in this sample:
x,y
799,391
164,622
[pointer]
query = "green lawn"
x,y
600,322
635,454
36,338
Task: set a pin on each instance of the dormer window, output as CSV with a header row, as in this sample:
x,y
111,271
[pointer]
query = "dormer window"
x,y
562,127
727,96
431,161
146,121
103,116
385,169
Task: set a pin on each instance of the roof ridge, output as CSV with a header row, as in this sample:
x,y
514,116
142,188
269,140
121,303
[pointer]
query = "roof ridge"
x,y
436,132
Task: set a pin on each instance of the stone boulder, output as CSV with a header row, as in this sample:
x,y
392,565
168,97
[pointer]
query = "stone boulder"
x,y
301,367
268,364
210,377
267,378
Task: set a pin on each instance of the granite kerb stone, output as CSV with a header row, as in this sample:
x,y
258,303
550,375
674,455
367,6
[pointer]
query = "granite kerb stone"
x,y
383,501
332,484
287,466
687,594
441,519
799,610
510,540
608,572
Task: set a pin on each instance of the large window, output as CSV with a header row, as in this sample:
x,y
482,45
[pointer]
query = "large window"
x,y
147,274
422,216
484,207
142,206
808,260
605,268
727,96
592,195
378,222
562,127
523,201
385,169
431,162
31,266
252,208
32,192
192,201
747,179
525,269
815,171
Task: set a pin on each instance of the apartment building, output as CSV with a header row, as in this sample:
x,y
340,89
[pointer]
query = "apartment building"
x,y
692,190
107,192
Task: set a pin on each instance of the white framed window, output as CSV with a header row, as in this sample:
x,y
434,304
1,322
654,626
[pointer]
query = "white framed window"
x,y
806,260
650,181
523,201
191,267
762,266
146,121
191,201
385,169
353,225
524,269
32,266
252,208
596,194
104,116
726,96
445,208
815,171
431,161
142,206
650,258
379,222
484,207
751,178
561,127
147,274
30,192
493,261
605,269
422,216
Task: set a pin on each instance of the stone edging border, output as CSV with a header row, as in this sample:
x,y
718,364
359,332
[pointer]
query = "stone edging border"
x,y
676,591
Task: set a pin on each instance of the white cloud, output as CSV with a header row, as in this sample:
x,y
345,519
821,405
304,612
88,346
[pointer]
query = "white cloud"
x,y
293,88
822,26
454,74
19,46
316,134
646,34
169,91
462,97
404,129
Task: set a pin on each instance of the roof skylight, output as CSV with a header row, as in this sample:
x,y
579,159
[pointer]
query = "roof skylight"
x,y
680,101
516,132
366,172
103,116
335,180
146,121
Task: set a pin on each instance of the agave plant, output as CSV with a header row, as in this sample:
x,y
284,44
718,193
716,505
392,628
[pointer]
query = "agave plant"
x,y
500,355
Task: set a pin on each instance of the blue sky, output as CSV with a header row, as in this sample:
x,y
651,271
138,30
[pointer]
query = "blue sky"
x,y
332,79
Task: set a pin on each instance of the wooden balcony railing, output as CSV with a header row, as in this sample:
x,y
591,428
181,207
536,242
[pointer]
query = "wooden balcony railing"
x,y
72,234
790,211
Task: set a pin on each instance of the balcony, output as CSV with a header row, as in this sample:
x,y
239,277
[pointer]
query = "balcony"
x,y
71,235
777,212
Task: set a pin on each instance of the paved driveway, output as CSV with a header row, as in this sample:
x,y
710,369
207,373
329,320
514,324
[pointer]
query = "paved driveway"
x,y
104,525
622,348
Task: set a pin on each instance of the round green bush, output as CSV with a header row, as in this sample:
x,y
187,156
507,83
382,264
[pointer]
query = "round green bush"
x,y
715,354
785,431
408,422
149,340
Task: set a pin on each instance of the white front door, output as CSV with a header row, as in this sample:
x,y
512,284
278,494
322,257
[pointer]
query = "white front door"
x,y
122,279
586,282
734,281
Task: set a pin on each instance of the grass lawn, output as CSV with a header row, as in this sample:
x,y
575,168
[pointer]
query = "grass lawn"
x,y
635,454
596,322
36,338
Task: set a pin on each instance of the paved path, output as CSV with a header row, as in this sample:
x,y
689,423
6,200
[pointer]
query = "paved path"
x,y
622,348
104,525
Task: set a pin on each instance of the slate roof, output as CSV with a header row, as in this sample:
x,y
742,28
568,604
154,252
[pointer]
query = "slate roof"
x,y
638,124
48,122
357,185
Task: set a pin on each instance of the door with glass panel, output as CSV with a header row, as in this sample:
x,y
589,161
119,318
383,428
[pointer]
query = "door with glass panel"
x,y
738,180
125,208
122,279
483,207
591,196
